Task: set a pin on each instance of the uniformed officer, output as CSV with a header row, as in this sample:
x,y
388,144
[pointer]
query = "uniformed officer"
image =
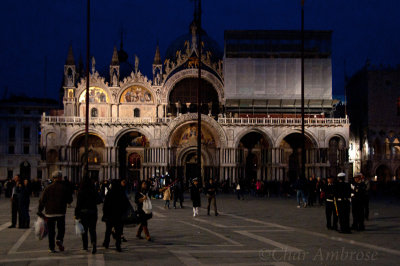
x,y
331,210
357,198
343,203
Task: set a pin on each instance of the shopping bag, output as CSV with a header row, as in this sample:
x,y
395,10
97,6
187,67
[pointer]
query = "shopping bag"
x,y
79,230
147,207
130,217
40,228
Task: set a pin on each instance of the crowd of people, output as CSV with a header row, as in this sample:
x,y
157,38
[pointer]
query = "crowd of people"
x,y
338,196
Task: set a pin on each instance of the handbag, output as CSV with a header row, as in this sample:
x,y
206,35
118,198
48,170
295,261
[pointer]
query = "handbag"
x,y
79,230
147,206
40,228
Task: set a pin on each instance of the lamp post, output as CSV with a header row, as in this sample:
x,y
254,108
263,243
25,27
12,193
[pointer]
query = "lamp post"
x,y
197,17
303,143
86,157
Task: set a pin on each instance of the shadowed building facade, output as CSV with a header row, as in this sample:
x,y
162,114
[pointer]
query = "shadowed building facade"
x,y
250,104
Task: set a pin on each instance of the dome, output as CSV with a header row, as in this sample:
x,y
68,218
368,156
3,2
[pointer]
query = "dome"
x,y
180,44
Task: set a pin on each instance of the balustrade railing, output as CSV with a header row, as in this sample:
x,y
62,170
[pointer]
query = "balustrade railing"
x,y
284,121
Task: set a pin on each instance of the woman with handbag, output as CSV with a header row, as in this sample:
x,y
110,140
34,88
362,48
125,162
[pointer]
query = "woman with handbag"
x,y
86,212
115,206
143,203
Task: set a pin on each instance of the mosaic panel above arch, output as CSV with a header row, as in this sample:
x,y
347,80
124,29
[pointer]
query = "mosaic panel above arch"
x,y
136,94
96,95
187,136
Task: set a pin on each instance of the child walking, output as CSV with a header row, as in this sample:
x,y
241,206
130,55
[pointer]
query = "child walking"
x,y
195,197
167,197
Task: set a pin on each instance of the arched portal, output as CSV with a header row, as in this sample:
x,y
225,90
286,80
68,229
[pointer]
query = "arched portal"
x,y
183,146
253,157
96,155
383,174
183,97
25,170
291,157
131,148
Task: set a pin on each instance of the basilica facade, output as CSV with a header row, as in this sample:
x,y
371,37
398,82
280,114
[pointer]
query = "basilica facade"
x,y
141,127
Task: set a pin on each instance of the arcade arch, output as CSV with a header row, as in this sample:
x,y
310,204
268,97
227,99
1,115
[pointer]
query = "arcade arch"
x,y
253,157
96,157
131,154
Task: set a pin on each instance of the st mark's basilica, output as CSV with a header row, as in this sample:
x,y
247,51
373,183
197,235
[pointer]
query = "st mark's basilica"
x,y
250,102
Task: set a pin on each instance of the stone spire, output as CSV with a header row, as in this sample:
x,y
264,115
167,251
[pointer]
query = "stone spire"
x,y
70,57
157,67
157,57
114,59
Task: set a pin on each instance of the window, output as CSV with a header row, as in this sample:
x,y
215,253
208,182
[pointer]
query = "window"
x,y
136,112
11,134
26,149
27,133
94,112
11,149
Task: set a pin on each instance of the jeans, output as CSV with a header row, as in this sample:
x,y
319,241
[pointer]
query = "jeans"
x,y
301,196
51,225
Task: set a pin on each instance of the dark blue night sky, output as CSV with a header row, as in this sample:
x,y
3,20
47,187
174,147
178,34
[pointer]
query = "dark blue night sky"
x,y
33,30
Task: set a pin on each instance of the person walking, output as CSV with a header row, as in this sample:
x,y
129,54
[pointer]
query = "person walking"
x,y
300,187
54,201
211,191
12,186
167,197
195,197
140,197
86,212
115,206
178,192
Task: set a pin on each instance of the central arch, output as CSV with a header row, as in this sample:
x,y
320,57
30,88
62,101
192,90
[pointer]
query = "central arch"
x,y
182,143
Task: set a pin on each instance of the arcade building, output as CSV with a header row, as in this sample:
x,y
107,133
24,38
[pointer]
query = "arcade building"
x,y
250,103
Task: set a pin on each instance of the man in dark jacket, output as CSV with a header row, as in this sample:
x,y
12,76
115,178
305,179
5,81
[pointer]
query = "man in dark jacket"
x,y
54,202
343,203
115,205
331,204
211,191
